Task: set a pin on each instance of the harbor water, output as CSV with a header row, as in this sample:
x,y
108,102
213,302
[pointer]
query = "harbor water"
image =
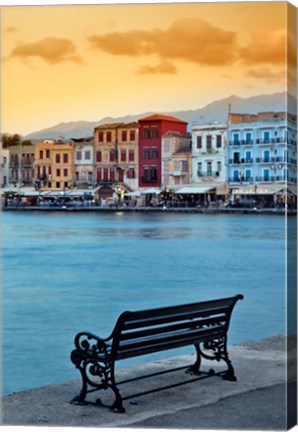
x,y
67,272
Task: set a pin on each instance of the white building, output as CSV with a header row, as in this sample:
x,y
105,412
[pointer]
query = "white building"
x,y
84,161
209,143
4,166
262,148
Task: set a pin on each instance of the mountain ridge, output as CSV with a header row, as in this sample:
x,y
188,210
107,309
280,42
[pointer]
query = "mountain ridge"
x,y
214,111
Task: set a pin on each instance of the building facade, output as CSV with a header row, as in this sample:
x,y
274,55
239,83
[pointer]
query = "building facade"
x,y
83,162
4,165
54,165
176,163
151,131
262,148
21,165
209,143
116,155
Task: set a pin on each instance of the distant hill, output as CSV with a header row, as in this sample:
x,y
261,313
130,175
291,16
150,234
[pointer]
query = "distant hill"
x,y
215,111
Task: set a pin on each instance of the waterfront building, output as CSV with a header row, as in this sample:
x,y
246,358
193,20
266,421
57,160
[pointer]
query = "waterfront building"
x,y
151,131
262,150
176,159
116,158
4,164
54,165
83,162
21,164
209,142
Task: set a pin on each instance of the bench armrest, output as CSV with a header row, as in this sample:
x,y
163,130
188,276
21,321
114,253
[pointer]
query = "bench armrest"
x,y
92,345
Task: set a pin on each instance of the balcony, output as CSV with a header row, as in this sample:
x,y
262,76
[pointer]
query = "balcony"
x,y
234,161
146,179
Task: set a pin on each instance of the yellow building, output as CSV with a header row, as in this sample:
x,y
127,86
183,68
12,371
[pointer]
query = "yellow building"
x,y
176,159
54,165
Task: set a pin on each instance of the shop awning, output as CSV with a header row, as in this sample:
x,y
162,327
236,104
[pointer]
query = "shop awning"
x,y
133,194
194,190
151,191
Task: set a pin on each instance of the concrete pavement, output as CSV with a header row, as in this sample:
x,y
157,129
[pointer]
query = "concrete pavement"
x,y
256,401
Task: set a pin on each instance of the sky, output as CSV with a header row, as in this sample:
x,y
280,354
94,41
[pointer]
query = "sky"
x,y
76,62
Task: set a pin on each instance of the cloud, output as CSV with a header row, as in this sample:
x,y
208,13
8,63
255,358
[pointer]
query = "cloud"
x,y
12,29
266,47
162,68
52,50
268,75
192,40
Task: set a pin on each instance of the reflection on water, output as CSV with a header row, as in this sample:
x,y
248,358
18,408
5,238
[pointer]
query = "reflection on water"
x,y
69,272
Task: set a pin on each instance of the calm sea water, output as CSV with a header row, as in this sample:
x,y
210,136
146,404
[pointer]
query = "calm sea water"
x,y
63,273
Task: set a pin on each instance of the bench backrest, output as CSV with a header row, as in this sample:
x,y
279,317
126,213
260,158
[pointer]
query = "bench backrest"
x,y
148,331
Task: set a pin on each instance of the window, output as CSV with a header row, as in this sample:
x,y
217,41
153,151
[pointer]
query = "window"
x,y
50,170
153,173
58,185
219,166
112,155
57,158
123,155
65,172
65,184
184,166
236,138
100,136
58,172
199,168
124,135
79,155
154,153
236,176
112,174
146,132
98,174
65,158
131,173
266,137
77,175
209,142
131,155
40,154
105,173
146,172
154,132
48,154
132,135
248,139
146,153
218,141
87,155
247,175
209,169
109,136
267,156
98,156
199,142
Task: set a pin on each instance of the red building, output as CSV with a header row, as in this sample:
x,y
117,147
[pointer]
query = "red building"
x,y
151,130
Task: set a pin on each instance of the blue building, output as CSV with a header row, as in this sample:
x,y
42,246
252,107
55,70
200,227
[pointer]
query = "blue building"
x,y
262,153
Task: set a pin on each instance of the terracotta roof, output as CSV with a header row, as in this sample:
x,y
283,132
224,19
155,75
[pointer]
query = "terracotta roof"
x,y
109,126
160,117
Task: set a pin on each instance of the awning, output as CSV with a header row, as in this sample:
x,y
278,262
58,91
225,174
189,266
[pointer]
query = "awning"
x,y
133,194
150,191
81,193
194,190
263,189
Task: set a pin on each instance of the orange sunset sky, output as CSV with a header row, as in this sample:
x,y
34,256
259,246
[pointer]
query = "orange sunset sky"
x,y
67,63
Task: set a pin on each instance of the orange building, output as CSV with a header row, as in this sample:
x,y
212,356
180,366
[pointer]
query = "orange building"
x,y
54,165
116,157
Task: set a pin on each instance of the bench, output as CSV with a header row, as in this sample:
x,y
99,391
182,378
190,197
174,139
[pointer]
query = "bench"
x,y
204,325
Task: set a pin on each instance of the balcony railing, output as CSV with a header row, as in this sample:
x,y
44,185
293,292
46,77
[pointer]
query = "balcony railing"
x,y
146,179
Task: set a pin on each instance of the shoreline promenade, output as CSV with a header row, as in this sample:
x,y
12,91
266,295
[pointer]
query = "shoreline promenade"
x,y
256,401
188,210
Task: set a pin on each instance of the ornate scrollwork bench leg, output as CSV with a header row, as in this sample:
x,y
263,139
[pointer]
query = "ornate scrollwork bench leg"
x,y
218,348
96,367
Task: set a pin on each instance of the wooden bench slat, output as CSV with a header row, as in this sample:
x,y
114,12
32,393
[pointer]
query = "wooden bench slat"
x,y
132,322
190,335
187,324
173,343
